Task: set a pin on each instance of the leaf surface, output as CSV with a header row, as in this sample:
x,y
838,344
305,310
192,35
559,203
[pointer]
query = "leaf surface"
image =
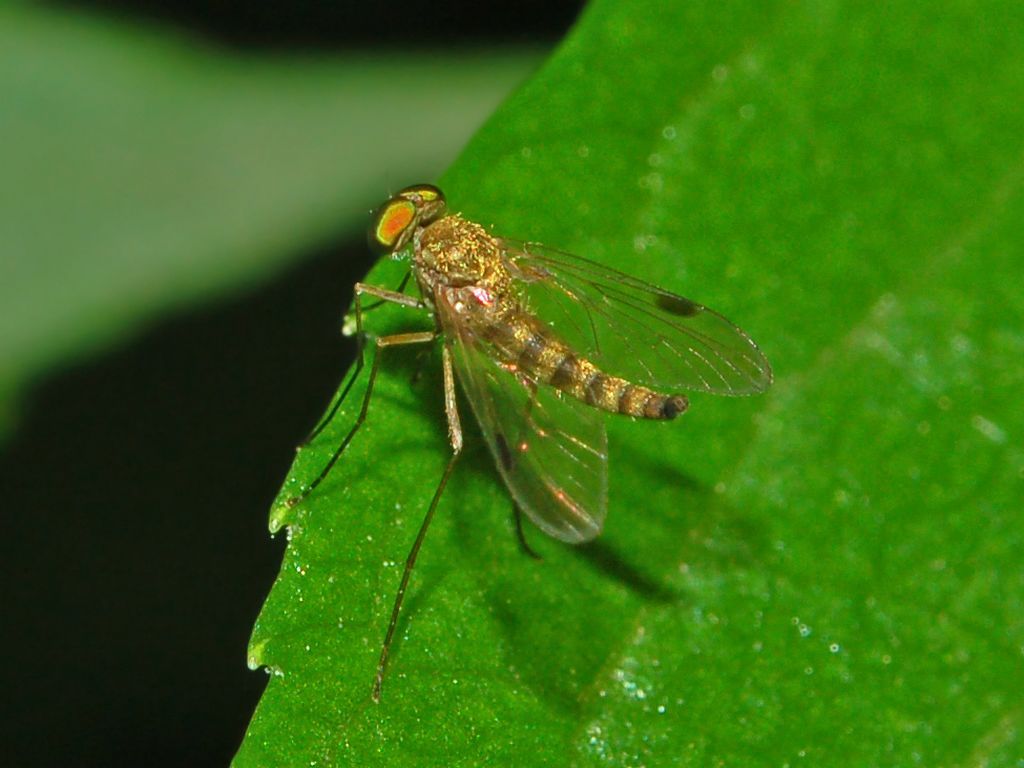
x,y
829,573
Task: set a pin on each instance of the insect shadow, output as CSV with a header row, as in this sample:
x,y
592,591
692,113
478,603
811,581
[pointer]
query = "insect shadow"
x,y
561,624
609,562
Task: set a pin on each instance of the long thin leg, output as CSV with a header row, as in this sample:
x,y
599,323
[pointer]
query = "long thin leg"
x,y
518,515
341,398
384,296
531,386
455,437
399,289
383,342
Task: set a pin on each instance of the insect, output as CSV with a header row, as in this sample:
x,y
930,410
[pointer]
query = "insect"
x,y
542,343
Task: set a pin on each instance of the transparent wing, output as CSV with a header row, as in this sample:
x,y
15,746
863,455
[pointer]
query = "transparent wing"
x,y
635,330
551,451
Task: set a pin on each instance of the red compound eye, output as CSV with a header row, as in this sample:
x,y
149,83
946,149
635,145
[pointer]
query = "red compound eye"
x,y
391,222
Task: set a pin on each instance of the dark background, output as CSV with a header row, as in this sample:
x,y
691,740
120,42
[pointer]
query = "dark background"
x,y
137,485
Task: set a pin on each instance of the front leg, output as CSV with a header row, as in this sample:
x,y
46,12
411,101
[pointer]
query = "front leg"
x,y
383,296
455,437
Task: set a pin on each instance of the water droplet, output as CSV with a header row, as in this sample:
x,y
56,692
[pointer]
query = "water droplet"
x,y
988,429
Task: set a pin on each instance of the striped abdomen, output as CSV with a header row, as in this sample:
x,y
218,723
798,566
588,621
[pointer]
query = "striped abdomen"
x,y
529,345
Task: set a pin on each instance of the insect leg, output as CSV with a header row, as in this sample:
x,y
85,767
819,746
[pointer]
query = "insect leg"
x,y
399,289
383,296
517,513
383,342
455,438
451,407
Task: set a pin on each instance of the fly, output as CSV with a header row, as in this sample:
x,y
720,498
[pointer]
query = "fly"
x,y
541,342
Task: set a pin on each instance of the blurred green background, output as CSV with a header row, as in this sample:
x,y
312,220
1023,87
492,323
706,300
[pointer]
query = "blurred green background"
x,y
184,189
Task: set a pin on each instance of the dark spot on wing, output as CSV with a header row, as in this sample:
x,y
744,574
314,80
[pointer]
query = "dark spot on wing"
x,y
677,305
504,454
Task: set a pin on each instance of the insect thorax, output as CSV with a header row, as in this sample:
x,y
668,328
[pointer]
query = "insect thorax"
x,y
463,268
453,252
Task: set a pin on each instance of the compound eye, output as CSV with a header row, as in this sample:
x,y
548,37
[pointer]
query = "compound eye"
x,y
430,202
392,225
423,193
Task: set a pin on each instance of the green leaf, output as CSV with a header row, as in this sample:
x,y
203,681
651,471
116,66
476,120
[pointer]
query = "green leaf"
x,y
141,170
829,574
